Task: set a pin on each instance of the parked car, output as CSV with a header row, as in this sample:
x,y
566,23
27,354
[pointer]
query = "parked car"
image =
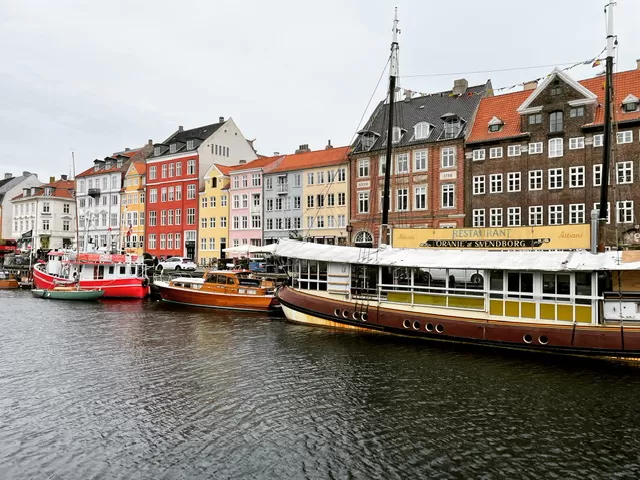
x,y
177,264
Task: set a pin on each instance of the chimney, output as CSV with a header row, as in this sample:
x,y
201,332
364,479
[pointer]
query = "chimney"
x,y
150,142
532,85
276,153
26,174
220,119
328,145
460,86
180,128
63,177
303,148
127,149
52,179
407,95
638,63
8,175
242,162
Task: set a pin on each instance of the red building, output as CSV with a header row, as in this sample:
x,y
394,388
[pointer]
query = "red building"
x,y
175,174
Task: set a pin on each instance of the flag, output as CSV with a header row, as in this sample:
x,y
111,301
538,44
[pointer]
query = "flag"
x,y
129,231
109,229
596,63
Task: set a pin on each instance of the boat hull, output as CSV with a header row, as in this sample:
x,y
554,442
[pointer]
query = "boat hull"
x,y
9,284
72,294
575,339
227,301
131,287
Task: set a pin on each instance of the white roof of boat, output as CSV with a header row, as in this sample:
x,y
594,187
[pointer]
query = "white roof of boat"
x,y
536,260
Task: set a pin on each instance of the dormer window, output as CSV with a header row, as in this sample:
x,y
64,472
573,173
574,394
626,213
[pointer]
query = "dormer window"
x,y
48,191
555,88
397,134
451,127
630,104
190,144
367,140
421,131
157,151
173,148
495,124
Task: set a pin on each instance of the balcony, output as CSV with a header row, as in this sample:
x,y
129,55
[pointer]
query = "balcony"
x,y
282,188
93,192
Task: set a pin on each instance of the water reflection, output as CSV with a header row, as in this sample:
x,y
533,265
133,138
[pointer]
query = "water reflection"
x,y
147,390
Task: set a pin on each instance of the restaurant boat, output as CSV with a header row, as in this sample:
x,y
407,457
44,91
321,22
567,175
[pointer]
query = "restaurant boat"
x,y
572,302
120,276
226,289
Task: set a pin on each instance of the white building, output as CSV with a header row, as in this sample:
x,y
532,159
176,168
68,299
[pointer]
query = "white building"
x,y
45,215
11,186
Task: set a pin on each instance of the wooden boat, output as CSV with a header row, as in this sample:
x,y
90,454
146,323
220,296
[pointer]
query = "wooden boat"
x,y
226,289
8,281
67,293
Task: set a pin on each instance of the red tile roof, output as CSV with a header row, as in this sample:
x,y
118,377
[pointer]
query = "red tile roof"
x,y
62,189
505,107
224,169
318,158
257,163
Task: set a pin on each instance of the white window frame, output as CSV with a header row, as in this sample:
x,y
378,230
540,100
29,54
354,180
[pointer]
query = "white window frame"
x,y
576,143
478,218
479,185
625,207
597,175
447,157
514,216
514,150
556,214
420,156
598,140
536,215
495,217
420,190
450,191
555,178
495,152
479,154
512,179
556,147
536,148
626,168
577,176
402,159
495,183
625,136
576,209
536,175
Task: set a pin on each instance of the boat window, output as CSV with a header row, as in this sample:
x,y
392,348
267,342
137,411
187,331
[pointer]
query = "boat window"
x,y
364,279
556,284
583,287
211,278
122,270
98,272
520,283
496,283
111,269
230,280
250,282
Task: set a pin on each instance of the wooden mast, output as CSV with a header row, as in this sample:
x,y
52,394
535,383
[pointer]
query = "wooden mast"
x,y
385,238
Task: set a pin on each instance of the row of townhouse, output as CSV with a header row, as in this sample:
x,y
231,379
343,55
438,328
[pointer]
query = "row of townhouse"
x,y
461,158
466,158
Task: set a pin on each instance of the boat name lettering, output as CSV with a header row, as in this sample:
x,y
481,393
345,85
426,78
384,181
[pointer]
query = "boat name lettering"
x,y
512,243
481,232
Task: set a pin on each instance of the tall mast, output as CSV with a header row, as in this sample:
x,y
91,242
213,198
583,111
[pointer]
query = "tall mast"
x,y
393,75
604,186
73,164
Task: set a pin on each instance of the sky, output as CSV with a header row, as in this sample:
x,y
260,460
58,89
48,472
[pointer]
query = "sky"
x,y
96,77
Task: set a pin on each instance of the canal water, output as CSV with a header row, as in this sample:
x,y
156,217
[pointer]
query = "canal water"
x,y
144,390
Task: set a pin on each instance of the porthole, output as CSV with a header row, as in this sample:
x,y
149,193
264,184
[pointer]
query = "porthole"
x,y
406,324
439,328
429,327
345,314
416,325
543,339
356,316
337,312
364,317
527,338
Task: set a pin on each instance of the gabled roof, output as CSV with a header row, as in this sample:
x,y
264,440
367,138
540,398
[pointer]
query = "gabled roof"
x,y
180,137
506,106
139,167
224,169
585,92
61,189
7,184
315,159
429,109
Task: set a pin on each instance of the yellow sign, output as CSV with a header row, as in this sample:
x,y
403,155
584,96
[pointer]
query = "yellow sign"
x,y
555,237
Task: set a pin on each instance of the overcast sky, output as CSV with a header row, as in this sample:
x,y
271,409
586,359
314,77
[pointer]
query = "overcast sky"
x,y
96,77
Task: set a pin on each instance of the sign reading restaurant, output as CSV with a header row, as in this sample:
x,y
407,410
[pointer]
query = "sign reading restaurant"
x,y
555,237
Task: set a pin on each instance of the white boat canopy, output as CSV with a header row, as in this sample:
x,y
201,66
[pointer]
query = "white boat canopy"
x,y
248,249
531,260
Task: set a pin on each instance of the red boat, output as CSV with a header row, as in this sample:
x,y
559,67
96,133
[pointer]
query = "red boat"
x,y
120,276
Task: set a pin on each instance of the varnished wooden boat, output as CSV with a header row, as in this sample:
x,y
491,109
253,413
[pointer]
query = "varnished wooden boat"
x,y
7,281
233,290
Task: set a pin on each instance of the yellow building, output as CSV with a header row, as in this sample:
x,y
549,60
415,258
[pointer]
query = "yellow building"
x,y
213,230
325,197
132,208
